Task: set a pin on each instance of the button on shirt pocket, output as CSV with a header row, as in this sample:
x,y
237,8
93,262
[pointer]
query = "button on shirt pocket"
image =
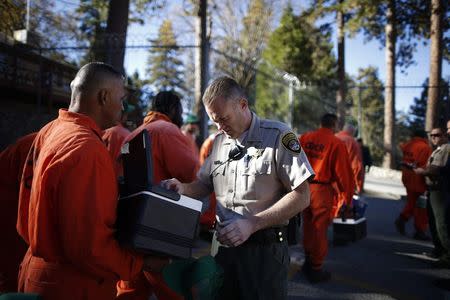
x,y
254,177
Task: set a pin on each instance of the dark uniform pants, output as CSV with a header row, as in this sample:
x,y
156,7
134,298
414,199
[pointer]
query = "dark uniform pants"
x,y
254,271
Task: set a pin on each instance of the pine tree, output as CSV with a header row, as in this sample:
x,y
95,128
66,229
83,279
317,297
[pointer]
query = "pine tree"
x,y
300,48
417,110
92,16
165,69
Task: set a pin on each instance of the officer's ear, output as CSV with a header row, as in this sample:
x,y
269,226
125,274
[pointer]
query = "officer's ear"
x,y
243,103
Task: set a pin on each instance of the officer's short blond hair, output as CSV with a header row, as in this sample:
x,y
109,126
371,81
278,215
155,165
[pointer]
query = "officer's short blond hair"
x,y
223,87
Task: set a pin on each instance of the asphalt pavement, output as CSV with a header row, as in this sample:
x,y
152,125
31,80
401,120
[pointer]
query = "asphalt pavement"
x,y
384,265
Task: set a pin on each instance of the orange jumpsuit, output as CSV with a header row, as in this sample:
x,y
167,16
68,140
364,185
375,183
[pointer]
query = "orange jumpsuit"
x,y
172,158
355,155
67,212
208,217
329,160
113,138
415,152
13,248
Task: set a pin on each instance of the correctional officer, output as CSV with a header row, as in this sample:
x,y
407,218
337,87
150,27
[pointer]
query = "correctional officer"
x,y
436,184
259,174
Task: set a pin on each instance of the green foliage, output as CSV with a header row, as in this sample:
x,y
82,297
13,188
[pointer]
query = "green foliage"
x,y
370,92
417,110
92,16
412,24
11,16
300,48
164,66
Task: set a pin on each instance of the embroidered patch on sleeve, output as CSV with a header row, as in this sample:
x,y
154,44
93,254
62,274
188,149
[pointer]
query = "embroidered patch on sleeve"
x,y
291,143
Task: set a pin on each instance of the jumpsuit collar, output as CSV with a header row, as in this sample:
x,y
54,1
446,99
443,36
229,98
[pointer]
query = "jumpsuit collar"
x,y
153,116
81,119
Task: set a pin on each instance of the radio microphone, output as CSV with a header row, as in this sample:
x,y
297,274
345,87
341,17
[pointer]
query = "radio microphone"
x,y
236,153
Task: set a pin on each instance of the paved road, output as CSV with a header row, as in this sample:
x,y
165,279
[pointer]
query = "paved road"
x,y
384,265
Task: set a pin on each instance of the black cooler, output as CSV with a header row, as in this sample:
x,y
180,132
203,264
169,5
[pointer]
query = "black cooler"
x,y
151,219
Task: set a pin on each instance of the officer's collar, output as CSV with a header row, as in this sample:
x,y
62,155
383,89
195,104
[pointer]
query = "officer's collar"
x,y
254,135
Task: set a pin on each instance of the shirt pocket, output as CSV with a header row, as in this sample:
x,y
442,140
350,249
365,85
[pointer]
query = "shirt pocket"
x,y
219,180
253,176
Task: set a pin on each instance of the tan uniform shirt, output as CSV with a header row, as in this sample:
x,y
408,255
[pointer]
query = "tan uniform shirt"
x,y
438,158
274,165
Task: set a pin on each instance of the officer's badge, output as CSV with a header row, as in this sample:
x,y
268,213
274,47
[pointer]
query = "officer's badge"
x,y
290,142
253,152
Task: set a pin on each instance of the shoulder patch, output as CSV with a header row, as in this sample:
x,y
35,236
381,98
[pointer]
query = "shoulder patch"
x,y
290,142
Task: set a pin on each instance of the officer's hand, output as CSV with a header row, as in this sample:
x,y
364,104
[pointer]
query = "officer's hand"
x,y
235,233
155,263
173,184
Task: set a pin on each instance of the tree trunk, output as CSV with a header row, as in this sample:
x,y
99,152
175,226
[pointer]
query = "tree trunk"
x,y
116,32
389,100
340,95
432,117
201,67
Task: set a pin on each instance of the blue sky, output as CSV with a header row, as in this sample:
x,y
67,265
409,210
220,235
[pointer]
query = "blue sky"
x,y
357,55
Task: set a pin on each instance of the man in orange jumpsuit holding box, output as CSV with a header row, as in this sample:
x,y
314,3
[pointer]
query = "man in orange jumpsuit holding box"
x,y
415,155
329,160
356,162
172,157
68,198
13,248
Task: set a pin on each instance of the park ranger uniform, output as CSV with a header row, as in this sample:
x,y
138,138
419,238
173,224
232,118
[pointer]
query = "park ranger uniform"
x,y
274,164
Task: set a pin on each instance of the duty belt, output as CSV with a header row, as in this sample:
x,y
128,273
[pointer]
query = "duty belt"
x,y
268,236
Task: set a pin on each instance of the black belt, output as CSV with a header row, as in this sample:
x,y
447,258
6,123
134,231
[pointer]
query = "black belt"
x,y
318,182
268,236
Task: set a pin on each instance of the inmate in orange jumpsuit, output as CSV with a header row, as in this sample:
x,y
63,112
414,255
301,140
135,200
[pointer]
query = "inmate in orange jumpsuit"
x,y
67,217
329,160
415,152
113,138
12,248
172,158
208,217
355,155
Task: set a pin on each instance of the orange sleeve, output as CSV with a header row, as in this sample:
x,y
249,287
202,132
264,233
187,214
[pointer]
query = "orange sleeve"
x,y
205,150
341,172
89,190
177,155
